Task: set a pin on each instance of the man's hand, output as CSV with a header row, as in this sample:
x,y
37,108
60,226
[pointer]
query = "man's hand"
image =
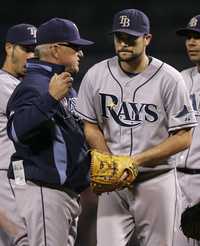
x,y
59,85
7,225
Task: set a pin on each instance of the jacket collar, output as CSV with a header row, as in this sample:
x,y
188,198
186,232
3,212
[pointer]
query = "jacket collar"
x,y
49,68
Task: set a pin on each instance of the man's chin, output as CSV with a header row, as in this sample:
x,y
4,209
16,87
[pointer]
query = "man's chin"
x,y
195,59
21,74
126,59
72,70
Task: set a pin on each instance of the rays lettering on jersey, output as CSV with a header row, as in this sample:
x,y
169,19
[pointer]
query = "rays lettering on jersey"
x,y
128,114
195,99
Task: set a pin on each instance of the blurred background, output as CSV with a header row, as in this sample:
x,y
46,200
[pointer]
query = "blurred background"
x,y
94,19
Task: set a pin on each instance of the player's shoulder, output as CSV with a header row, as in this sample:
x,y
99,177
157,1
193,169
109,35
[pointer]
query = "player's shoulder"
x,y
7,81
189,71
102,65
169,72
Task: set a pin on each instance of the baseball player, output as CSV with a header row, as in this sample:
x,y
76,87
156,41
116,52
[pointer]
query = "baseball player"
x,y
19,45
134,104
190,158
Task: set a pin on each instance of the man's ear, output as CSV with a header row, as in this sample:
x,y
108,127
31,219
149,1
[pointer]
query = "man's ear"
x,y
9,48
148,38
54,51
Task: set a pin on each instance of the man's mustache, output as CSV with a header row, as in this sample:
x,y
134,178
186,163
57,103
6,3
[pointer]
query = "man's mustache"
x,y
124,50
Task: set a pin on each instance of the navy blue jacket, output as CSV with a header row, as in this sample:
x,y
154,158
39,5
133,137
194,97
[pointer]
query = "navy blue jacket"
x,y
47,135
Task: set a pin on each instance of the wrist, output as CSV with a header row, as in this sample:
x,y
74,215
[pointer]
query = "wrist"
x,y
54,96
137,160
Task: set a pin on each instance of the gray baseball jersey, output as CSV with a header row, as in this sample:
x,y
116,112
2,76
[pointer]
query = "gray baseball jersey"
x,y
190,158
7,201
7,85
136,113
130,109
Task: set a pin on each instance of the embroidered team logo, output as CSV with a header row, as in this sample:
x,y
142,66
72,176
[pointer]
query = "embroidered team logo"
x,y
195,99
32,31
76,27
111,105
124,21
193,22
127,114
186,113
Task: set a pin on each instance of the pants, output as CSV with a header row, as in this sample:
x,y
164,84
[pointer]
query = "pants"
x,y
151,210
50,215
190,184
12,230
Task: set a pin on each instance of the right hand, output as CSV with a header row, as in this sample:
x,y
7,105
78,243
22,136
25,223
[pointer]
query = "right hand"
x,y
59,85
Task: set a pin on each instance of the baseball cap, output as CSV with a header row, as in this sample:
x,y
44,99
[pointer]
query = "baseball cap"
x,y
60,30
22,34
131,21
192,26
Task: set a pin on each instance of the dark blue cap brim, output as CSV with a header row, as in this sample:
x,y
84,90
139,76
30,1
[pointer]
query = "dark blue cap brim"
x,y
28,42
81,42
186,31
128,31
25,42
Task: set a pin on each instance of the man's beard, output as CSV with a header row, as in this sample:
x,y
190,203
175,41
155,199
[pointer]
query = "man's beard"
x,y
131,58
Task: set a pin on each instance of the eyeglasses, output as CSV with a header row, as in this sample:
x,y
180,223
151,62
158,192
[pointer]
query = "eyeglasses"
x,y
27,48
75,47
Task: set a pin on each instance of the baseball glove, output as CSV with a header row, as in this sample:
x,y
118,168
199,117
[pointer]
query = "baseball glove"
x,y
190,222
106,170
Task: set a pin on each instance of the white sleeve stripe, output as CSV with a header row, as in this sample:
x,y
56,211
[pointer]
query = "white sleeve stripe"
x,y
13,133
85,116
182,126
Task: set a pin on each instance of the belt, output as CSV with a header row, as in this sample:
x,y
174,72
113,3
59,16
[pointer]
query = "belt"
x,y
3,169
70,192
143,176
188,170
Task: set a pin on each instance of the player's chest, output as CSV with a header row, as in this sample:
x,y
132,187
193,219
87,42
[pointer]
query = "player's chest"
x,y
127,102
129,92
195,94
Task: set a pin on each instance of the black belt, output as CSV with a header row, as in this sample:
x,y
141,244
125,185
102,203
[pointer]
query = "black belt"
x,y
3,169
143,176
70,192
188,170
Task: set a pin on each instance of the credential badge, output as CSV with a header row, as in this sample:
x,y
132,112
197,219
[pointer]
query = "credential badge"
x,y
124,21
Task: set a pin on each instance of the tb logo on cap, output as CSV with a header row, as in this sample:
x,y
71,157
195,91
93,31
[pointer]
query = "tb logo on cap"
x,y
193,22
33,31
124,21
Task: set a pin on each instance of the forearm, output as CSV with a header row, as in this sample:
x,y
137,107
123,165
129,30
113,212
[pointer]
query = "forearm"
x,y
94,137
172,145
